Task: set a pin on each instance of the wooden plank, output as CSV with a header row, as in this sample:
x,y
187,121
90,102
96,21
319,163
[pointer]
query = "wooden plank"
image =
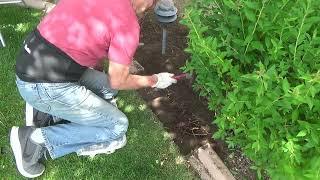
x,y
216,168
208,165
199,168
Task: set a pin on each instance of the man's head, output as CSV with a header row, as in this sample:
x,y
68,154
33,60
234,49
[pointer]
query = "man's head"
x,y
140,6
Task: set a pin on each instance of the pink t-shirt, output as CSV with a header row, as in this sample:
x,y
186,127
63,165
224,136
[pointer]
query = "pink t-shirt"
x,y
90,30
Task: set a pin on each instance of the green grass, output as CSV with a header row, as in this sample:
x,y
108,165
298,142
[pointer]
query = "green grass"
x,y
149,153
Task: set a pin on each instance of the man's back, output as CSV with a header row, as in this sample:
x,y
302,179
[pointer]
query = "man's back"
x,y
89,30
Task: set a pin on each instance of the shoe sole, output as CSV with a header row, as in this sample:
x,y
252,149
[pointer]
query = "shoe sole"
x,y
16,148
89,153
102,151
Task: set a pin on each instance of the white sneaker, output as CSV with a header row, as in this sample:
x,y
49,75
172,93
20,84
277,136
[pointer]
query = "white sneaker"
x,y
103,148
113,101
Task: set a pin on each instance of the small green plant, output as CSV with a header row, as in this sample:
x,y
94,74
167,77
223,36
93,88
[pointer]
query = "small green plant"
x,y
258,63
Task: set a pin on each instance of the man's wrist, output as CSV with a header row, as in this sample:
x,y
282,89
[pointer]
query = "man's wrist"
x,y
153,80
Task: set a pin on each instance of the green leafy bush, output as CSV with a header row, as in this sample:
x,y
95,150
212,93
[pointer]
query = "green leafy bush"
x,y
258,63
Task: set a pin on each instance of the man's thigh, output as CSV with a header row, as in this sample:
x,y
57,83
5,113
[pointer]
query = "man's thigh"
x,y
97,82
75,103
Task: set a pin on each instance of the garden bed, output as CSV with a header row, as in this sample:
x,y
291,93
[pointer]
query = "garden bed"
x,y
181,110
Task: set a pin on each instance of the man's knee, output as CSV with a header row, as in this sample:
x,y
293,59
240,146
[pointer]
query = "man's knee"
x,y
121,125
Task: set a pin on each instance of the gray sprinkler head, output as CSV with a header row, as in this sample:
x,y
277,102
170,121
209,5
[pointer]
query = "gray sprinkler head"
x,y
165,11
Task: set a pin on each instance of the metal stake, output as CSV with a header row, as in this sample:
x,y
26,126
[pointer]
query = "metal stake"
x,y
164,40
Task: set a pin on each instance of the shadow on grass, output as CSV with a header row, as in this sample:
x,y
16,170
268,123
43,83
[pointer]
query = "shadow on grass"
x,y
149,153
16,22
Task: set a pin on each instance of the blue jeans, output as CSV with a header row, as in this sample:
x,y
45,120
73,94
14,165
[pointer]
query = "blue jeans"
x,y
93,119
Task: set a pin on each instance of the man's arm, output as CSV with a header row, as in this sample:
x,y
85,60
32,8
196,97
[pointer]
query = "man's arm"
x,y
120,78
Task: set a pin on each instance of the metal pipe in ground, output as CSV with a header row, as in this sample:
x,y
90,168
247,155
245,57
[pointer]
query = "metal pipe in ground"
x,y
166,13
164,40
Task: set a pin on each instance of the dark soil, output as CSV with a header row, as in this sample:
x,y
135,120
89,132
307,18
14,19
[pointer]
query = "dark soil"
x,y
182,111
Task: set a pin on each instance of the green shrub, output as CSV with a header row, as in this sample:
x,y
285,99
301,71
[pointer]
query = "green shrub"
x,y
257,62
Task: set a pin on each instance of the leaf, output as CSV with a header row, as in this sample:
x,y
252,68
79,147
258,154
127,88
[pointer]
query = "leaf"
x,y
313,91
302,133
285,85
238,42
252,5
257,45
291,48
229,3
251,15
313,19
248,39
295,115
310,102
260,90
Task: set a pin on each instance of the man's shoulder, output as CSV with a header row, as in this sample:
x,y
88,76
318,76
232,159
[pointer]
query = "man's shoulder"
x,y
121,13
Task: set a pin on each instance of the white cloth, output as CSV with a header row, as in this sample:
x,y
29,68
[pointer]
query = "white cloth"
x,y
165,79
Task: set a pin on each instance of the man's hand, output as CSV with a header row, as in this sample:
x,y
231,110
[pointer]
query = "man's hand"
x,y
121,79
164,80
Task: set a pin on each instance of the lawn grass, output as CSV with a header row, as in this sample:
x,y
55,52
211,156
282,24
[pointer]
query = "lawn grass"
x,y
149,153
